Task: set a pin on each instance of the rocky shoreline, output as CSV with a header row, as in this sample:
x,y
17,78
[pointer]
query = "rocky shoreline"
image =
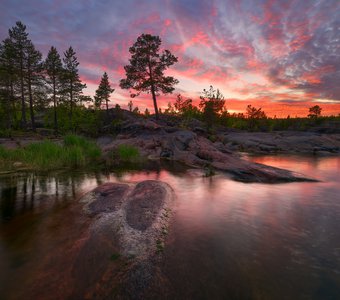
x,y
194,147
195,150
283,142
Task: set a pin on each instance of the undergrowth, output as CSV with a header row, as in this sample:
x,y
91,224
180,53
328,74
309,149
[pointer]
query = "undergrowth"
x,y
73,152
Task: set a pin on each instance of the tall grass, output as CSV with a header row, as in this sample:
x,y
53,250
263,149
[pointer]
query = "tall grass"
x,y
91,150
46,155
3,152
127,153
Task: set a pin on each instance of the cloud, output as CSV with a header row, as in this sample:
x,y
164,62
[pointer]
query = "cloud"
x,y
266,50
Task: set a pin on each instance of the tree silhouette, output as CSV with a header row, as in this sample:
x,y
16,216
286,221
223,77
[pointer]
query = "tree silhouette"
x,y
8,80
255,113
33,64
314,111
145,73
212,104
54,70
103,92
130,105
182,105
19,39
71,81
147,112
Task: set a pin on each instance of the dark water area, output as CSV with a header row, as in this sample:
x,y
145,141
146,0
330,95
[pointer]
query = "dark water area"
x,y
228,240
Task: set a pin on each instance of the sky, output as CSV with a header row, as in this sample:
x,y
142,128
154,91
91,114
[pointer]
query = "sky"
x,y
283,55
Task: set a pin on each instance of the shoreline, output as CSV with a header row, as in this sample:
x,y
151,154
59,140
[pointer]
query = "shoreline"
x,y
227,154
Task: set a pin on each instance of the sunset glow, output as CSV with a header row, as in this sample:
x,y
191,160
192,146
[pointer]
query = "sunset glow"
x,y
283,56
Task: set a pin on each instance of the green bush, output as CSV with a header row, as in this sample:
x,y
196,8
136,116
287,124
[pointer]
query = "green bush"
x,y
84,120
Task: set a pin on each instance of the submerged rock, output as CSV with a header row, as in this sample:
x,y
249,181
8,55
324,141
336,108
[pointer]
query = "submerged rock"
x,y
144,204
136,213
108,197
124,240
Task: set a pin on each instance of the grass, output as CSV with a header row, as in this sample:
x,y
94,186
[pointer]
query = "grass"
x,y
127,153
90,149
74,152
3,152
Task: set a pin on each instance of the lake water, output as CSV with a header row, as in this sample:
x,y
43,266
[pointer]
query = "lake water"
x,y
228,240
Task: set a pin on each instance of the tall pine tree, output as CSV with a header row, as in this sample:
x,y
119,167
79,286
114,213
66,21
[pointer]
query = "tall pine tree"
x,y
33,66
20,42
7,81
145,73
54,71
103,92
73,86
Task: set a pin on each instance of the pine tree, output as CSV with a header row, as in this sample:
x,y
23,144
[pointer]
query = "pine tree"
x,y
212,104
20,42
54,71
33,66
130,105
73,86
314,111
145,73
103,92
7,80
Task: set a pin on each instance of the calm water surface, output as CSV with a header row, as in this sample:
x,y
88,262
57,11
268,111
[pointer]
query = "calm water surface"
x,y
228,240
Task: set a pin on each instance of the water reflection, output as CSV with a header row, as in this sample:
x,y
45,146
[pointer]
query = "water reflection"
x,y
228,240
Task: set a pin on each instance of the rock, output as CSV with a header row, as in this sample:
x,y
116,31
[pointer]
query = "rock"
x,y
166,153
144,203
140,126
108,197
104,140
197,151
200,130
266,174
17,164
183,138
170,129
221,147
129,230
134,211
283,142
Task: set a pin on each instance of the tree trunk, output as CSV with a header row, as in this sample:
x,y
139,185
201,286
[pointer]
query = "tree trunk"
x,y
154,101
14,117
71,103
23,105
11,104
55,108
7,107
31,101
153,91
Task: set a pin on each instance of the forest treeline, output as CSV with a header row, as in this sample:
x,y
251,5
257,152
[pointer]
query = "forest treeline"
x,y
48,93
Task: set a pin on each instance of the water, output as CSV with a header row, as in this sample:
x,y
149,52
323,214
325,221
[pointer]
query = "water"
x,y
228,240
